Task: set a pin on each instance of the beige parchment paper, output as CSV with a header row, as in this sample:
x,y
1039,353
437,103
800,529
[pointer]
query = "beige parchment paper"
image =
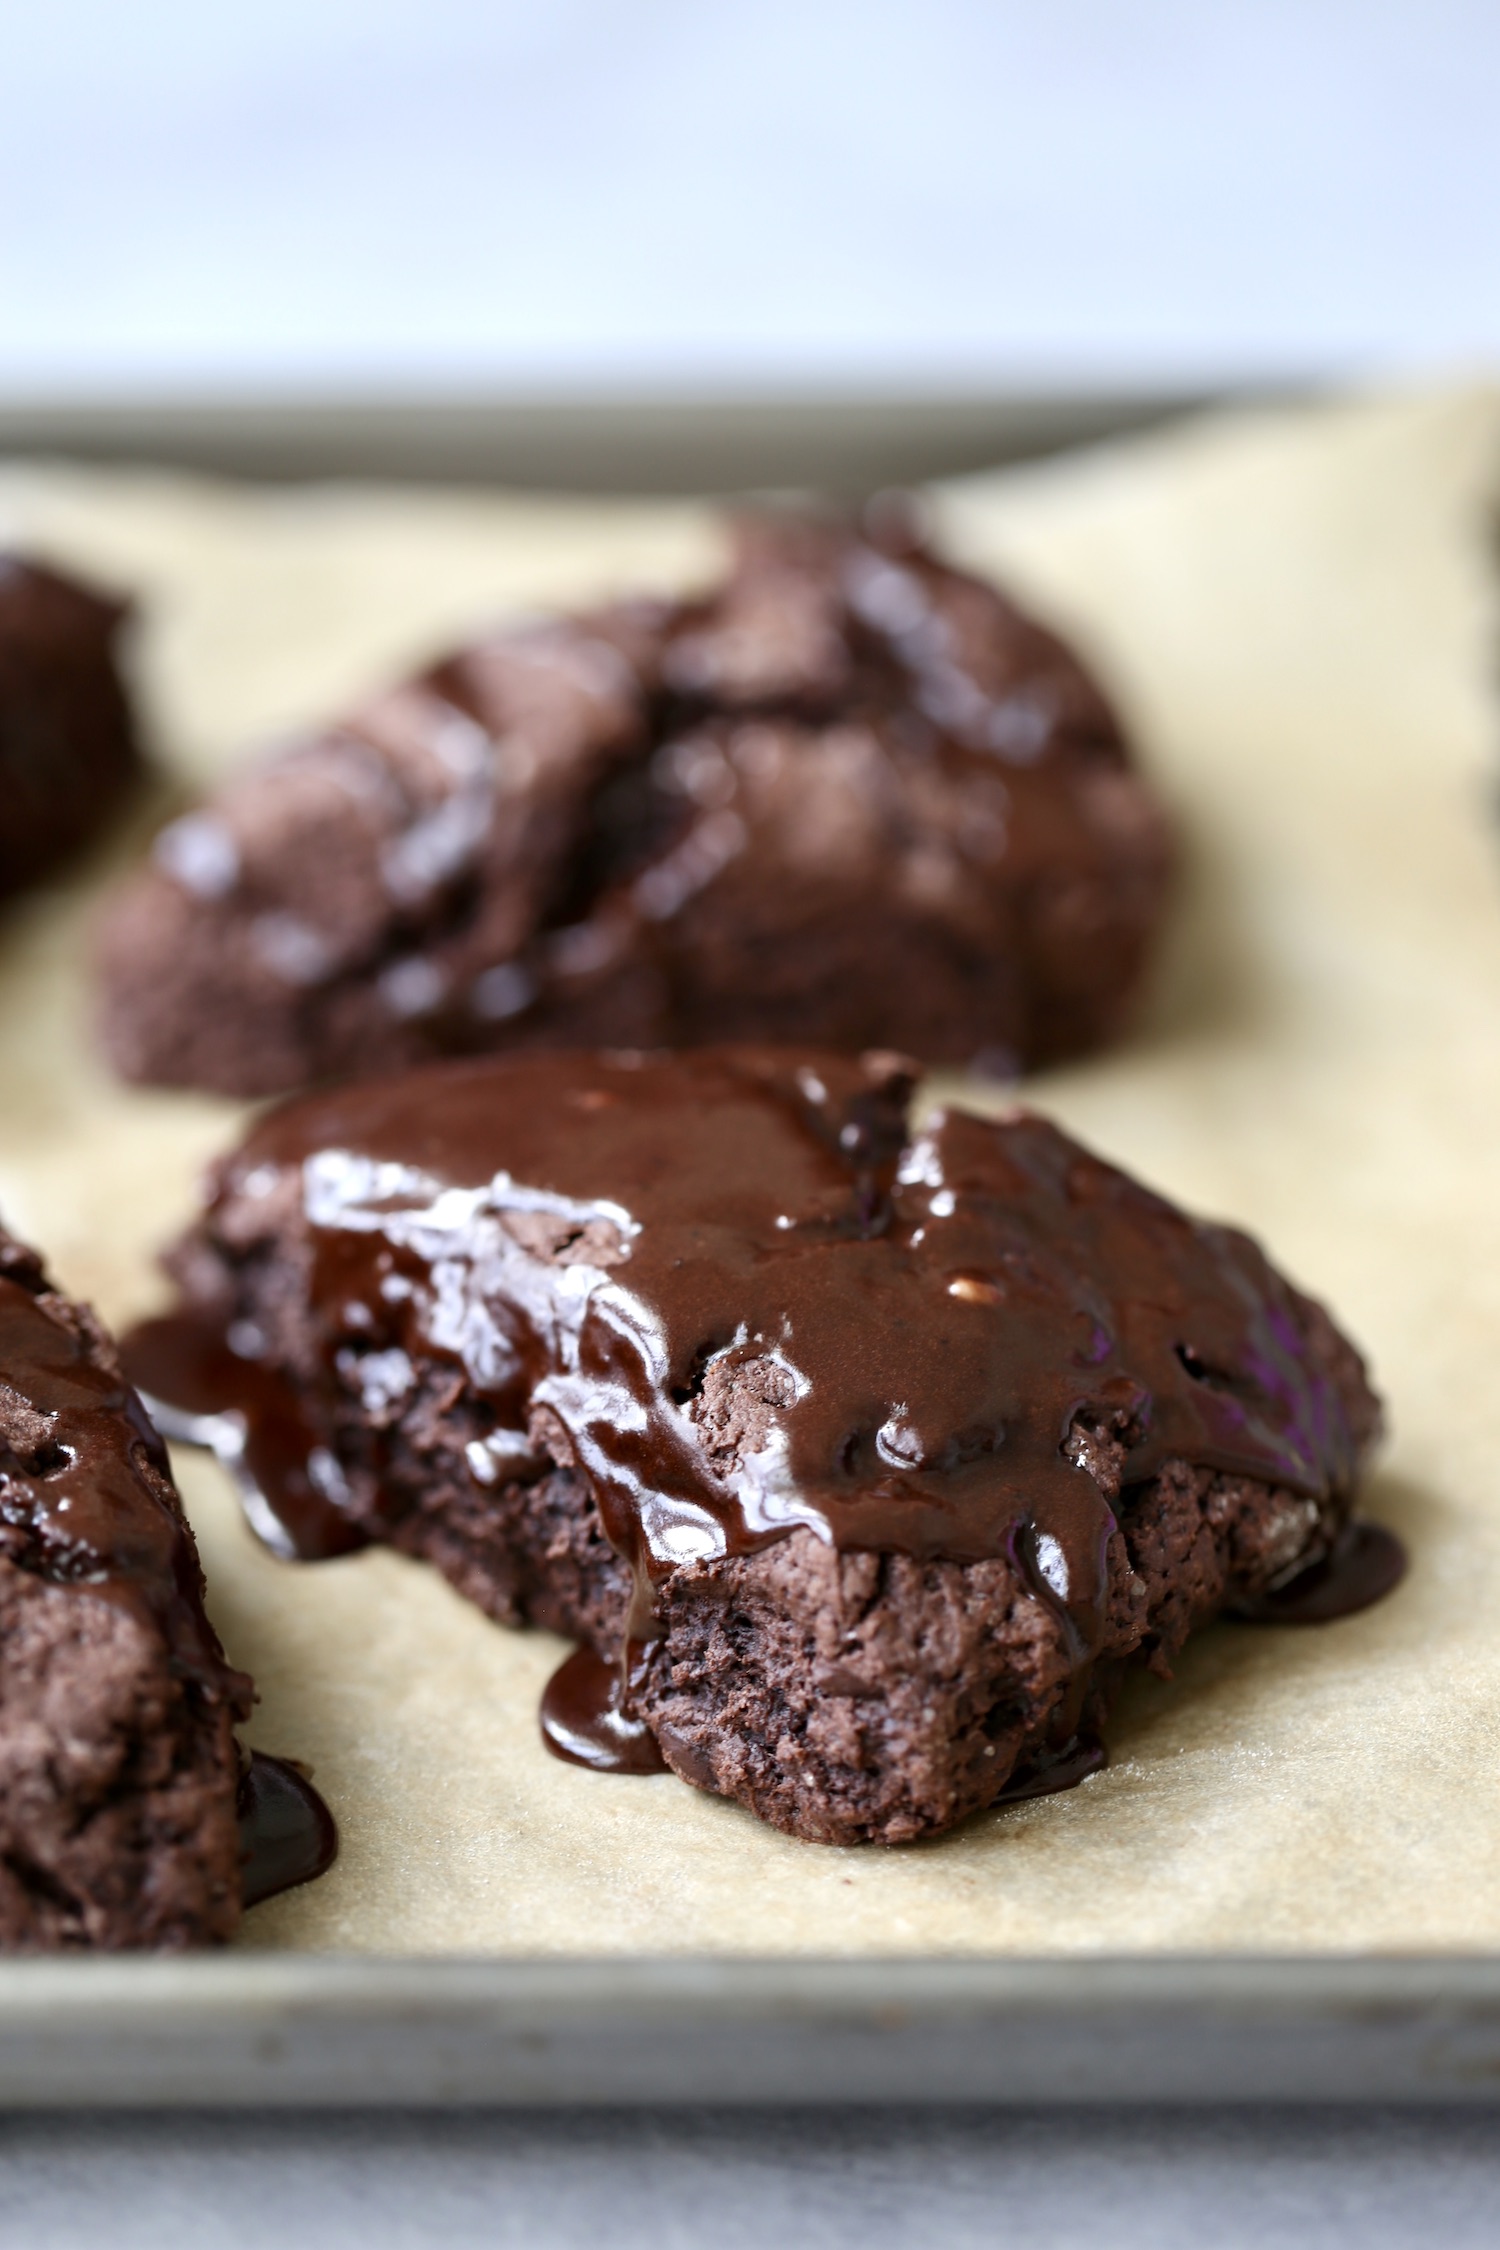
x,y
1296,610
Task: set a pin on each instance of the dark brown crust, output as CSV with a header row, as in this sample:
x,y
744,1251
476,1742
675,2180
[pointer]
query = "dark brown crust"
x,y
117,1782
779,813
67,745
118,1764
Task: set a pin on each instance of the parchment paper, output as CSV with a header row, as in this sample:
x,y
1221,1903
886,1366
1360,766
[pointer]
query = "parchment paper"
x,y
1296,611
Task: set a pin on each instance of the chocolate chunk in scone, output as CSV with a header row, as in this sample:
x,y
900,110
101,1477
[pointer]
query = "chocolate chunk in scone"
x,y
864,1455
67,746
851,795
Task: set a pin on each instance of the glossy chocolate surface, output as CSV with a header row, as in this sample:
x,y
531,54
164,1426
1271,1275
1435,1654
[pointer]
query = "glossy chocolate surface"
x,y
1366,1563
202,1393
921,1321
585,1723
287,1834
1048,1777
85,1488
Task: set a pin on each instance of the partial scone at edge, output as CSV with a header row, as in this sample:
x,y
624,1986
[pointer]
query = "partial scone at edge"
x,y
68,750
118,1764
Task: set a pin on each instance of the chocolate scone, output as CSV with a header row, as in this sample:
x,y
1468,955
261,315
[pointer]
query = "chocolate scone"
x,y
119,1773
862,1458
67,745
852,795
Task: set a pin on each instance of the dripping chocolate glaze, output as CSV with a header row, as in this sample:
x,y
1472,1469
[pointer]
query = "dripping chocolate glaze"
x,y
287,1834
85,1489
1364,1564
585,1722
86,1499
630,1248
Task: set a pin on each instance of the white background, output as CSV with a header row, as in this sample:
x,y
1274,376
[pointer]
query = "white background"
x,y
678,193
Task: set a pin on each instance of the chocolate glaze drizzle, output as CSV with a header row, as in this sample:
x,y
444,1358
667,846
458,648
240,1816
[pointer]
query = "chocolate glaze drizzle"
x,y
743,1298
1365,1563
287,1834
202,1393
85,1488
585,1723
86,1498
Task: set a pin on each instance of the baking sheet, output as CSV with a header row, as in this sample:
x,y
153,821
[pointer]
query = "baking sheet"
x,y
1296,611
258,2030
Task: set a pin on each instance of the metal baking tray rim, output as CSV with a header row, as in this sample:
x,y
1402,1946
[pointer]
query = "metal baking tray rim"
x,y
269,2030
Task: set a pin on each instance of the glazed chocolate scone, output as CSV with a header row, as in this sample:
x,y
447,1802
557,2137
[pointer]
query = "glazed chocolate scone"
x,y
863,1457
67,745
119,1774
851,796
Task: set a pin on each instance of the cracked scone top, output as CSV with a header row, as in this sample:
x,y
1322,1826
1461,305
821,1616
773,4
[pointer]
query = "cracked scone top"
x,y
724,1303
850,795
